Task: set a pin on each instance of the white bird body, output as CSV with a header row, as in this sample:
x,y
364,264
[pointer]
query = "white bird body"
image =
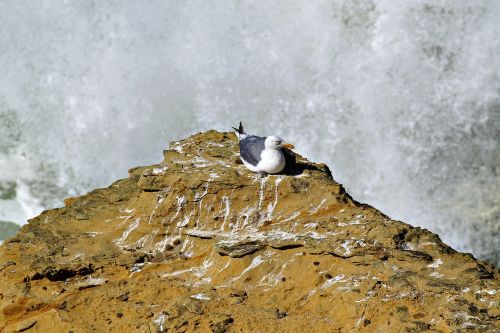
x,y
262,154
271,161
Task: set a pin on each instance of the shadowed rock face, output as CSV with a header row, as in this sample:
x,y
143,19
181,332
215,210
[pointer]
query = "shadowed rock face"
x,y
198,244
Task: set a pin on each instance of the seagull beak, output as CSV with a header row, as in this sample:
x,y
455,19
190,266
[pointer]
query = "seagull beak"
x,y
288,145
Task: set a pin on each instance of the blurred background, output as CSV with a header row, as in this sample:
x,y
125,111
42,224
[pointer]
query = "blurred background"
x,y
401,100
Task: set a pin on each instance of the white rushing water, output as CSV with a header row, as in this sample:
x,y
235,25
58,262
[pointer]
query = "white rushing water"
x,y
400,98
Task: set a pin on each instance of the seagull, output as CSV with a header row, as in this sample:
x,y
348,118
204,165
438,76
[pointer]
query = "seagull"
x,y
262,154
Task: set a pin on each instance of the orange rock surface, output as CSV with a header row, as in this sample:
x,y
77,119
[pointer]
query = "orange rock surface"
x,y
198,243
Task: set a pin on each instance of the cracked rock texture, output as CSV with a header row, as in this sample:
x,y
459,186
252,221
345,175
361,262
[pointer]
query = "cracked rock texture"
x,y
198,243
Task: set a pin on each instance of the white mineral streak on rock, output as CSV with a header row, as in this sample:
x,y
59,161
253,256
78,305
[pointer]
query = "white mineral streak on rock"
x,y
330,282
221,269
255,262
465,317
281,235
358,220
91,281
141,242
93,233
369,294
199,162
197,271
176,273
199,196
271,238
204,281
177,146
274,277
302,175
201,297
291,217
225,164
243,218
181,201
213,176
359,242
360,320
227,210
159,321
205,266
345,245
185,221
126,218
262,183
161,246
159,170
423,244
271,206
199,199
127,231
436,263
315,235
489,292
216,144
209,207
137,267
160,200
436,275
316,209
408,246
202,233
187,246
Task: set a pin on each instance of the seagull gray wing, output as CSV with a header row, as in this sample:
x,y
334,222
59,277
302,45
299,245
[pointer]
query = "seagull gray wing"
x,y
251,147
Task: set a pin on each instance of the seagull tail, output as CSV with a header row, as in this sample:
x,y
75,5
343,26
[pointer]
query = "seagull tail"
x,y
239,130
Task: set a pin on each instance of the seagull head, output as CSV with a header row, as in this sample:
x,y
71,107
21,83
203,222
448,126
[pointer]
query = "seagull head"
x,y
275,142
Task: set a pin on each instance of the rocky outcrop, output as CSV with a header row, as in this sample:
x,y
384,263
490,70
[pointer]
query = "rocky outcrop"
x,y
199,244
